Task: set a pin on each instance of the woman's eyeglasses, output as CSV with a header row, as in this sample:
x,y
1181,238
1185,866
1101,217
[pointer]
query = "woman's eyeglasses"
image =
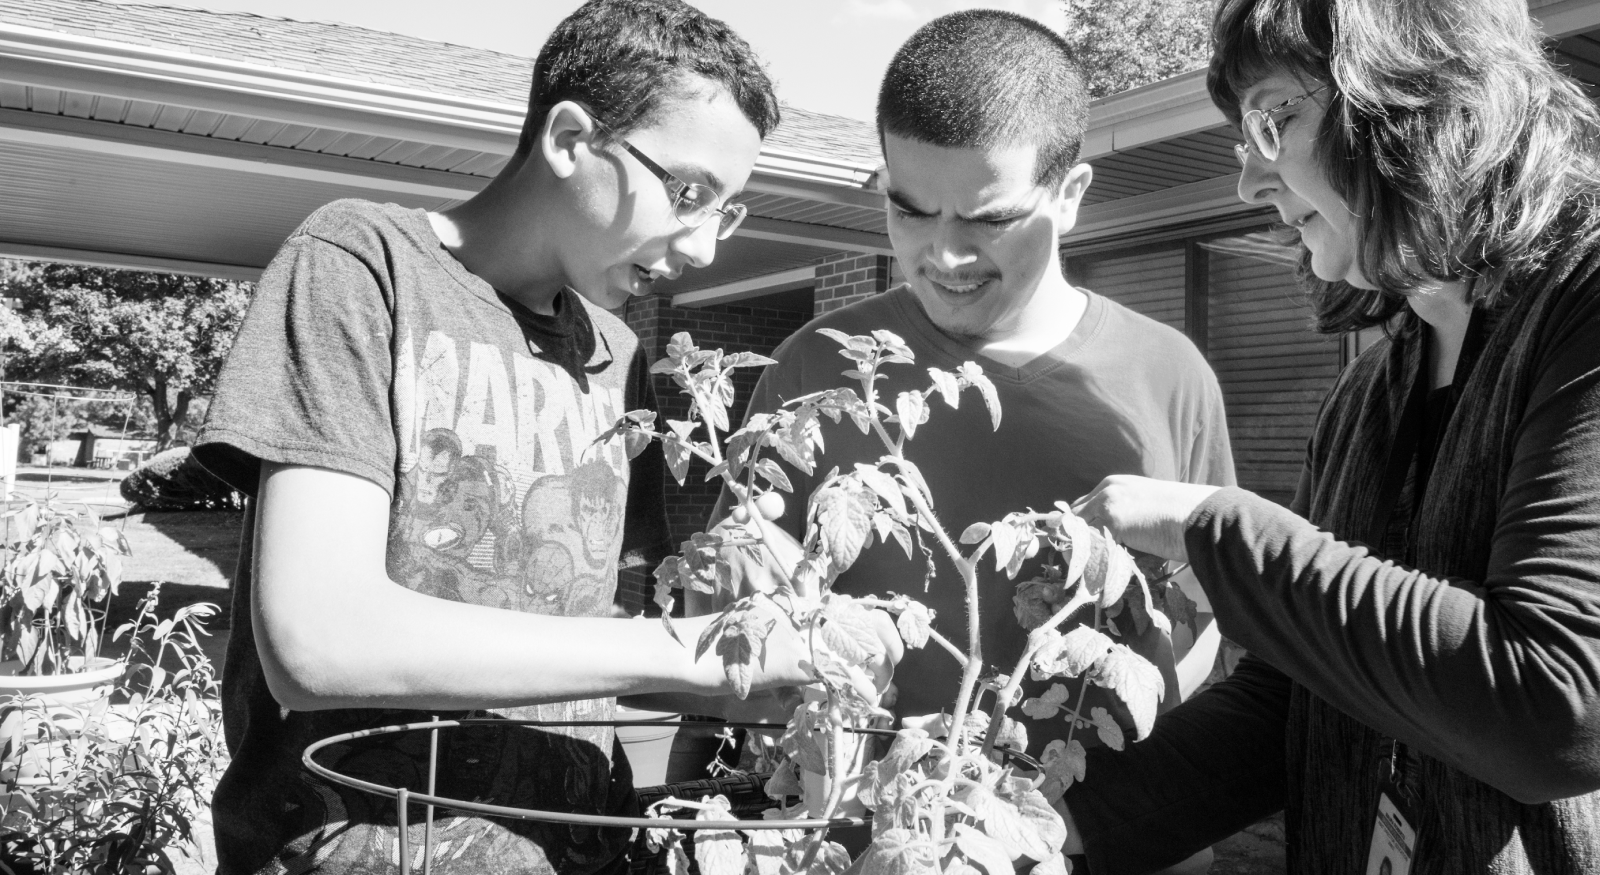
x,y
1261,132
692,203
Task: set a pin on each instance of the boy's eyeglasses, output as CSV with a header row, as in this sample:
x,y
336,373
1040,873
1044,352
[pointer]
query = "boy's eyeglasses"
x,y
1261,132
692,203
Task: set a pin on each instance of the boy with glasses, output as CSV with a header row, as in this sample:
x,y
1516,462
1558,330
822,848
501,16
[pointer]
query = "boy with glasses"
x,y
412,402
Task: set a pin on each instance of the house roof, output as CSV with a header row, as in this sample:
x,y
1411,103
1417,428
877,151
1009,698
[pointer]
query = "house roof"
x,y
343,51
172,138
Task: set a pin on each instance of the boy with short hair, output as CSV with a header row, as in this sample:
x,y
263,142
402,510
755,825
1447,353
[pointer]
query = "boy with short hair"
x,y
411,402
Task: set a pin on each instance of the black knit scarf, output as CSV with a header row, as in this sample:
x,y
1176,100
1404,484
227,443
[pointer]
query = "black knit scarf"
x,y
1466,825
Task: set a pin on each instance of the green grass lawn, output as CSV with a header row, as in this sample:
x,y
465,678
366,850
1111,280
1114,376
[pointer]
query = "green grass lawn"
x,y
192,555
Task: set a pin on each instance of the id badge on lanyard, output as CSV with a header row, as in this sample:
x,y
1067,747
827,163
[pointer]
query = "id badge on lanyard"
x,y
1394,835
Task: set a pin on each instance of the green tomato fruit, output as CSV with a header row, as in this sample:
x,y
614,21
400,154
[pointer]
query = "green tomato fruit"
x,y
740,515
769,505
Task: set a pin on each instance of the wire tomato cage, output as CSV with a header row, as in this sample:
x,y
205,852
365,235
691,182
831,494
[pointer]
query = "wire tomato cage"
x,y
405,797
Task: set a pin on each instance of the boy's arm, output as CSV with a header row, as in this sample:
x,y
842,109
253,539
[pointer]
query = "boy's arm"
x,y
333,631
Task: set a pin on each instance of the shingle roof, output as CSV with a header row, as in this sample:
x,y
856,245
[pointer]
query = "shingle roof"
x,y
356,53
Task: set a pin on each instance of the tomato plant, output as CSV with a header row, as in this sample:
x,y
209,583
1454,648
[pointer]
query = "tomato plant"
x,y
942,796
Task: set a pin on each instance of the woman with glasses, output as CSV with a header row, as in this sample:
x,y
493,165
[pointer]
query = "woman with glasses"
x,y
1424,621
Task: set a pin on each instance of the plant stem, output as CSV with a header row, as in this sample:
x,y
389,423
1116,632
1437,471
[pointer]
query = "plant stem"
x,y
1083,691
933,634
1080,597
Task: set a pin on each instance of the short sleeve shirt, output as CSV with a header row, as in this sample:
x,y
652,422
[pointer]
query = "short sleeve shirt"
x,y
1123,394
370,350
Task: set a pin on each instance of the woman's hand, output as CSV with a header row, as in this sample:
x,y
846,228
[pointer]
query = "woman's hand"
x,y
1144,514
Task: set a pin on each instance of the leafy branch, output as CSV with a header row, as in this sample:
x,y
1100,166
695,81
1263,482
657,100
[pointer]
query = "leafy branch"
x,y
940,798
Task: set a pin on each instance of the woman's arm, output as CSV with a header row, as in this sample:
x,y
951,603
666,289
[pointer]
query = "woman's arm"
x,y
1212,766
1499,677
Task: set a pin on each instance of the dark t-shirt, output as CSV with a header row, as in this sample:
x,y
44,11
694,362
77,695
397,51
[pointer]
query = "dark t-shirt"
x,y
370,350
1123,394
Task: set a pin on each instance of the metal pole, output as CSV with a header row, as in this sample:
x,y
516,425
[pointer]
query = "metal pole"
x,y
402,797
433,770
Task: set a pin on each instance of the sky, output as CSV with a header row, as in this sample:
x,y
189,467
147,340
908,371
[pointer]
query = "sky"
x,y
825,55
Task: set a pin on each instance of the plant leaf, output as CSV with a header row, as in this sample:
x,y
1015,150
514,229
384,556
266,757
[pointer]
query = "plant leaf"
x,y
1181,609
912,408
899,851
948,385
972,374
765,851
1039,824
915,624
1107,728
1133,680
800,743
1078,649
737,647
1120,568
848,631
718,851
1047,705
831,859
783,784
843,516
975,533
885,487
747,360
774,474
1064,763
1075,541
910,745
982,850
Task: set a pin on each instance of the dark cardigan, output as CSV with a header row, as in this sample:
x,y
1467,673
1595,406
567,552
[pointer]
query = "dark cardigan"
x,y
1487,667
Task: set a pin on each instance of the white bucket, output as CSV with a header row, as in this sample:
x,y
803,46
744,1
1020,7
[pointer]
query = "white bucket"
x,y
649,747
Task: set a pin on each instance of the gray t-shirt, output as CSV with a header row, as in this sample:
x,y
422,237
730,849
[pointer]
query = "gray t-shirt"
x,y
370,350
1123,394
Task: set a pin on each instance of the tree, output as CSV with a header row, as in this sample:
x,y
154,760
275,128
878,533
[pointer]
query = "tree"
x,y
160,336
1123,44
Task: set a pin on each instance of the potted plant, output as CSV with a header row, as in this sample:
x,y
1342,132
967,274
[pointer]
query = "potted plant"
x,y
59,564
953,792
112,787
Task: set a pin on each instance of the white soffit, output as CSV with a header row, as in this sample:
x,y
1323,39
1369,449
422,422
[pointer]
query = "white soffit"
x,y
126,141
782,281
1172,206
123,261
780,231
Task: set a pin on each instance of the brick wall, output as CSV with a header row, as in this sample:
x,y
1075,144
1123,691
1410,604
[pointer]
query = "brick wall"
x,y
847,278
734,328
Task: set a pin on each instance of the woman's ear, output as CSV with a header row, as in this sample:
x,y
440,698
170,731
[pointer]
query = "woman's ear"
x,y
566,128
1070,196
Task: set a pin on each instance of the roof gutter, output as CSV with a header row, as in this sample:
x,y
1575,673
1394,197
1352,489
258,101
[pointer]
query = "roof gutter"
x,y
48,59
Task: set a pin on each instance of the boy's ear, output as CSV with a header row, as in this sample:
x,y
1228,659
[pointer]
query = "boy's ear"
x,y
567,128
1070,196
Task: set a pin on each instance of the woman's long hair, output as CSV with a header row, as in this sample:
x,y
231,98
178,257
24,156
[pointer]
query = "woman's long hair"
x,y
1461,151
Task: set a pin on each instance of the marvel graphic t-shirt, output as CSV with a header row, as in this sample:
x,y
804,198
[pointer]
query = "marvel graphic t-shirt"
x,y
370,350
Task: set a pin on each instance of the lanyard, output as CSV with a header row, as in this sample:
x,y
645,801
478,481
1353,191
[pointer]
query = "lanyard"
x,y
1402,454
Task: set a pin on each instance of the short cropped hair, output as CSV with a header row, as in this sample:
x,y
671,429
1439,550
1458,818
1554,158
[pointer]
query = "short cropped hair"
x,y
1461,151
983,78
620,58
